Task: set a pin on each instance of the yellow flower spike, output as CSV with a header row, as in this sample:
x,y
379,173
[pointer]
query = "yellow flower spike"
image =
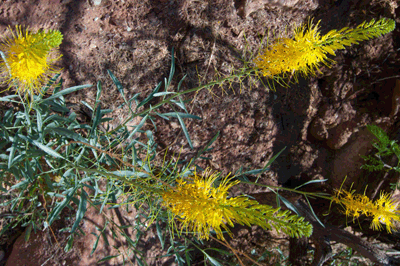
x,y
27,59
307,50
201,207
383,210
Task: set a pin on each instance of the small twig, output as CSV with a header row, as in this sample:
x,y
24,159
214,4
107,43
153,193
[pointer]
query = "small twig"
x,y
398,76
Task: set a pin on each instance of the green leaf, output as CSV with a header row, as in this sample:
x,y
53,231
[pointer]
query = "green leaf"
x,y
315,216
184,130
50,82
116,82
46,149
187,256
180,82
12,151
172,71
138,127
87,105
28,232
66,91
183,115
158,94
66,133
179,103
69,243
57,107
311,182
8,117
160,235
8,98
81,210
39,122
139,261
24,184
96,242
99,89
289,205
273,158
253,172
56,211
213,261
148,99
107,258
206,147
96,119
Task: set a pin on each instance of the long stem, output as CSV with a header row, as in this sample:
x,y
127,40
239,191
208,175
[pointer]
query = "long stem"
x,y
313,194
199,88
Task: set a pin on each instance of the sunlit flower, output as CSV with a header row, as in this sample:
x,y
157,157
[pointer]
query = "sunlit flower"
x,y
27,58
201,207
303,53
383,210
307,50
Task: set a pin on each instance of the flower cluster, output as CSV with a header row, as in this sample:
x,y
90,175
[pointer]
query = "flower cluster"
x,y
307,50
201,207
27,58
383,210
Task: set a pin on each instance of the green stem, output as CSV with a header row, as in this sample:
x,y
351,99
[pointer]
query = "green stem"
x,y
313,194
120,178
196,89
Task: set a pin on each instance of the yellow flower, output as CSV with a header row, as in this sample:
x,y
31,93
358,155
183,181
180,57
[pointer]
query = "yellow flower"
x,y
307,50
383,210
303,53
27,58
202,207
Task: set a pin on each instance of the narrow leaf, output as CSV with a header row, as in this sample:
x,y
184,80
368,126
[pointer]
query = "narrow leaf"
x,y
56,211
183,115
273,158
207,146
172,71
96,119
116,82
96,242
107,258
81,210
148,99
185,130
12,151
310,182
158,94
67,91
160,235
315,216
99,89
69,243
8,98
46,149
138,127
66,133
289,205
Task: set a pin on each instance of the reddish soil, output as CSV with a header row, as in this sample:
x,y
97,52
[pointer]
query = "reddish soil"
x,y
320,120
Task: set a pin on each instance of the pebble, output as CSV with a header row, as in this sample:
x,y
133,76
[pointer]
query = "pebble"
x,y
96,2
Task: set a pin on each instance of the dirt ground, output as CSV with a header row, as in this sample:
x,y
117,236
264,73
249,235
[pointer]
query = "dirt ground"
x,y
320,120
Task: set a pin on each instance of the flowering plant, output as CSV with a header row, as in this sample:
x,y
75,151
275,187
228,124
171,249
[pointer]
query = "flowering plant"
x,y
382,210
49,159
27,59
307,50
202,207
